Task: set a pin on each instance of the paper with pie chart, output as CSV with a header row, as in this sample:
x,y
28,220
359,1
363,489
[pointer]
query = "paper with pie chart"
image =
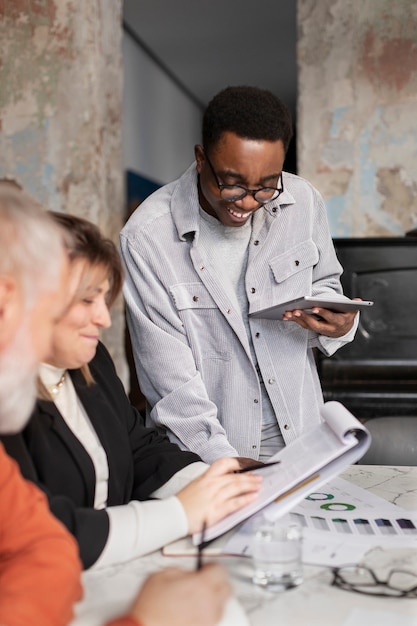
x,y
341,522
342,508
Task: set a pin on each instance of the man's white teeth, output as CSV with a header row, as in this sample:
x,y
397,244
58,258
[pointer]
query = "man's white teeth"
x,y
236,214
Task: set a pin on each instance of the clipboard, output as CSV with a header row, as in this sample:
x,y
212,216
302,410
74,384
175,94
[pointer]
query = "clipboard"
x,y
308,462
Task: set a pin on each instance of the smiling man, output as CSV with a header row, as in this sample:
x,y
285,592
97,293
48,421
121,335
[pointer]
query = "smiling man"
x,y
233,235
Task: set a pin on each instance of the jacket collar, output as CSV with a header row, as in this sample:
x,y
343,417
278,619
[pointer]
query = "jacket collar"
x,y
185,204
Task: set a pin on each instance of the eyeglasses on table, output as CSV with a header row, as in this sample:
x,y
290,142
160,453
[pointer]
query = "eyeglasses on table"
x,y
362,579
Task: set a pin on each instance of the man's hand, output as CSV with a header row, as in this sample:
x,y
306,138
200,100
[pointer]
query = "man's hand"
x,y
323,321
180,598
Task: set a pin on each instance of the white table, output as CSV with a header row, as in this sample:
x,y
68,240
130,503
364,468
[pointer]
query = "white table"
x,y
109,591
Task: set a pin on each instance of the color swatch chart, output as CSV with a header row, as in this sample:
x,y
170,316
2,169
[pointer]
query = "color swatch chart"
x,y
342,508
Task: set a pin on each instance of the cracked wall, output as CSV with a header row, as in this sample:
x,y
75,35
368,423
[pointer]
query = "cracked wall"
x,y
357,103
60,111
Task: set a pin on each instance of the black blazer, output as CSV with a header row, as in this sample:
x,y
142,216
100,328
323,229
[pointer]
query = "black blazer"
x,y
140,459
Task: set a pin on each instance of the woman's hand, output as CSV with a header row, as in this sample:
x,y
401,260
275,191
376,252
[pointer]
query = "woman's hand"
x,y
217,493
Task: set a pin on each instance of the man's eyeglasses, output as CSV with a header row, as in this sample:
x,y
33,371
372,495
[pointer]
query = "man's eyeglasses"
x,y
398,584
233,193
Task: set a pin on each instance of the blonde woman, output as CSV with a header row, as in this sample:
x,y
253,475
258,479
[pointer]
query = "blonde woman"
x,y
88,448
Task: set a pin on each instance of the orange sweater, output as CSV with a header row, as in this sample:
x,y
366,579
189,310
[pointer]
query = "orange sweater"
x,y
39,565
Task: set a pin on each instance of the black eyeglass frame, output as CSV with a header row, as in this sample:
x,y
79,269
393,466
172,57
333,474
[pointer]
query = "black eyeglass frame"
x,y
341,583
277,191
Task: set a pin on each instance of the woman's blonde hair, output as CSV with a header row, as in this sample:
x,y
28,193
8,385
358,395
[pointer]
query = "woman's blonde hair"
x,y
84,242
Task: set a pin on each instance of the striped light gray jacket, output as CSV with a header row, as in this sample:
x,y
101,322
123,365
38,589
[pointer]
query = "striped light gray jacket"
x,y
190,344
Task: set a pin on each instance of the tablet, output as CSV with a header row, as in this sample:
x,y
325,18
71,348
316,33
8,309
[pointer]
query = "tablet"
x,y
338,304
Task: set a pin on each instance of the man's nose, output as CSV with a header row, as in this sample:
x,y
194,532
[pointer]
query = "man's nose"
x,y
247,203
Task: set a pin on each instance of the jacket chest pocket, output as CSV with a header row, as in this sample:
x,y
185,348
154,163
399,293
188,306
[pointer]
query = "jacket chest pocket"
x,y
191,296
294,262
292,277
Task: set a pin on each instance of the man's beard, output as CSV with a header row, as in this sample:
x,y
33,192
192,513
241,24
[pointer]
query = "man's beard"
x,y
18,370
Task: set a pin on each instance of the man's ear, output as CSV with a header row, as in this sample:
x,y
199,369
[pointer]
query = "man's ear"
x,y
199,157
11,306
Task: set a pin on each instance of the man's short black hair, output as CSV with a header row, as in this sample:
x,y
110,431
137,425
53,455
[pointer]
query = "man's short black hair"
x,y
250,113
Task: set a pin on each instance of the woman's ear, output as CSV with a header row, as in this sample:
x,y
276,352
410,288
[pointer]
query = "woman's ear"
x,y
11,308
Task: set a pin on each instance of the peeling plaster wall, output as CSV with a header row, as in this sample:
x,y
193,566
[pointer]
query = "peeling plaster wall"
x,y
357,112
60,111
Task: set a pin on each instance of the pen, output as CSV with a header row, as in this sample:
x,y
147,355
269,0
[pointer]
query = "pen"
x,y
250,468
201,546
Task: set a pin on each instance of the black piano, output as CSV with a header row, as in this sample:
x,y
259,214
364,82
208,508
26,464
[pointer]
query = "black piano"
x,y
376,374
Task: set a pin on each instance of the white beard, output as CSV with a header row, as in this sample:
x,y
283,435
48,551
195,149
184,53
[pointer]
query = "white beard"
x,y
18,370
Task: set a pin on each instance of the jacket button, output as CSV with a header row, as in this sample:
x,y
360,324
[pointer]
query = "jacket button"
x,y
195,298
256,401
271,381
256,242
286,426
257,335
297,262
253,290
